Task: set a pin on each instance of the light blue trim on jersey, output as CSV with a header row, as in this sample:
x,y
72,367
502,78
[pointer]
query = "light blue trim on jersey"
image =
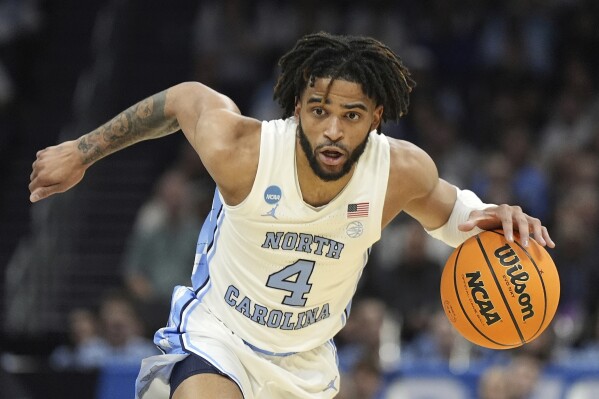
x,y
283,354
185,314
206,240
265,352
331,342
345,314
185,299
168,339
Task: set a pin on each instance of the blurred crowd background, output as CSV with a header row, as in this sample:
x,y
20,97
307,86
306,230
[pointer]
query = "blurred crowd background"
x,y
507,104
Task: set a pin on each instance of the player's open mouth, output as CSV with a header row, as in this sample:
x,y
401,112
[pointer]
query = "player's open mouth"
x,y
331,157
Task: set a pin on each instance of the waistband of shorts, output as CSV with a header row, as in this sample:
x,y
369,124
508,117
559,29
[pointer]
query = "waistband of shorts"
x,y
265,352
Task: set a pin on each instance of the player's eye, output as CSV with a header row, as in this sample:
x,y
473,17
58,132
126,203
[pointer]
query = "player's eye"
x,y
354,116
318,111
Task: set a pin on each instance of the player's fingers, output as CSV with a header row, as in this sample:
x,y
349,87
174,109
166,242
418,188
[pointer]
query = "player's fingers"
x,y
44,192
41,188
522,221
547,237
34,184
34,170
505,215
37,195
536,230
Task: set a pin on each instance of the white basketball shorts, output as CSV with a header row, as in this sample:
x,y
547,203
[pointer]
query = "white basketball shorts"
x,y
305,375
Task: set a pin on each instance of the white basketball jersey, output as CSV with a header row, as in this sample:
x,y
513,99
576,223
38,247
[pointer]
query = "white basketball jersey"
x,y
276,271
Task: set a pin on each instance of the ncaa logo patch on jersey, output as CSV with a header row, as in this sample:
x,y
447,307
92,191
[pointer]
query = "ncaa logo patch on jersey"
x,y
272,195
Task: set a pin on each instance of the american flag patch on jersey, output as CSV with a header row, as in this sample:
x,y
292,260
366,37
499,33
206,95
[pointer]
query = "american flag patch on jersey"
x,y
358,210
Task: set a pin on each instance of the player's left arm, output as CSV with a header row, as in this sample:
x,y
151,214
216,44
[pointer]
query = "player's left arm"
x,y
447,212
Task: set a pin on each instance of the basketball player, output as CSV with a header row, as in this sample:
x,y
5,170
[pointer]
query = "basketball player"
x,y
299,203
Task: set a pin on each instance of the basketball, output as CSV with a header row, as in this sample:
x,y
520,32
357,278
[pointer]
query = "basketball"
x,y
498,294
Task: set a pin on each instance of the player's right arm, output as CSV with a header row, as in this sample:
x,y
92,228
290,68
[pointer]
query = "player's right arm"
x,y
227,142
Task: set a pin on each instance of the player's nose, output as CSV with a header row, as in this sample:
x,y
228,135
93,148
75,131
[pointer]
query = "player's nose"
x,y
334,129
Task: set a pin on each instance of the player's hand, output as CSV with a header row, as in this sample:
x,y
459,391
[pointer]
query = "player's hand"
x,y
509,219
55,170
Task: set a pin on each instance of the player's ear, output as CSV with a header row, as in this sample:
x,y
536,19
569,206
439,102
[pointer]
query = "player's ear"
x,y
298,107
376,117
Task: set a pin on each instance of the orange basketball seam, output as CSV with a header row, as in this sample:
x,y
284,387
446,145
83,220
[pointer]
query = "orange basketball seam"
x,y
505,302
540,329
544,292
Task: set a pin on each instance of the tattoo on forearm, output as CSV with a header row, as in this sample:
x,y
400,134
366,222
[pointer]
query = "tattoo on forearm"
x,y
144,120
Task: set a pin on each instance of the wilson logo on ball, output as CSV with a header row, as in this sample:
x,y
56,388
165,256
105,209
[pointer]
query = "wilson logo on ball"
x,y
481,298
517,277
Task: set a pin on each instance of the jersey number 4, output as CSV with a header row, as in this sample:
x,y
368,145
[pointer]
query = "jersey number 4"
x,y
294,279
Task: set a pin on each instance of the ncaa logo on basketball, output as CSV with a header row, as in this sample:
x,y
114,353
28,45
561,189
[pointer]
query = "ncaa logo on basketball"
x,y
480,296
272,195
354,229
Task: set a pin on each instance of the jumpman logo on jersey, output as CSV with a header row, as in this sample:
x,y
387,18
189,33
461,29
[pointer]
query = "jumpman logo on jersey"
x,y
331,385
272,212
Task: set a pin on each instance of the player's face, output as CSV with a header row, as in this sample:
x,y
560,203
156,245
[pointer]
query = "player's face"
x,y
333,131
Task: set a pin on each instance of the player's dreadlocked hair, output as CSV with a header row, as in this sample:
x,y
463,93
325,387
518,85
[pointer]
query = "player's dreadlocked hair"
x,y
357,59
